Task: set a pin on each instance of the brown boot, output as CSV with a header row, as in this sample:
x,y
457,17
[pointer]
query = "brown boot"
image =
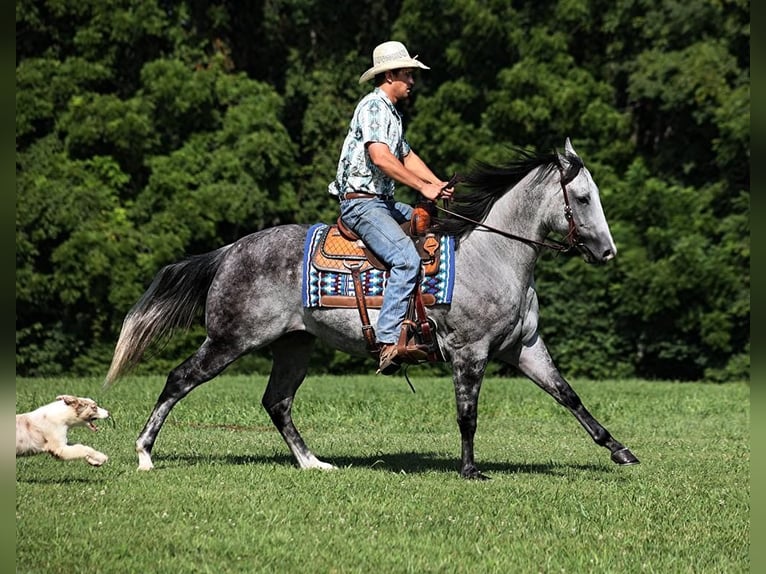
x,y
389,360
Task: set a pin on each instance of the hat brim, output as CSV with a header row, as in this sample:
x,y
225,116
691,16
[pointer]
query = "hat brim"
x,y
391,65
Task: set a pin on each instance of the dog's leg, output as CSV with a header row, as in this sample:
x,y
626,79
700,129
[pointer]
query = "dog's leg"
x,y
74,451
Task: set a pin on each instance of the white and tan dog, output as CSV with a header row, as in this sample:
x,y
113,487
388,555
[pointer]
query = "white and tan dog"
x,y
45,429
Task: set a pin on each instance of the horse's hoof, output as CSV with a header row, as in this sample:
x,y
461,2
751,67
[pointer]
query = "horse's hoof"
x,y
144,460
313,463
624,457
324,466
472,473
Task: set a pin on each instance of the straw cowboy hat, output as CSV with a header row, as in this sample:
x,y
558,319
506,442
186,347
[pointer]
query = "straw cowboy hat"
x,y
390,56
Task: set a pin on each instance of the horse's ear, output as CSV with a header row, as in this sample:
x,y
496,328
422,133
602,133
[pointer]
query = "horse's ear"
x,y
569,149
569,152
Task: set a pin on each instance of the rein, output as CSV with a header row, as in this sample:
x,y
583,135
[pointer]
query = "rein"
x,y
571,237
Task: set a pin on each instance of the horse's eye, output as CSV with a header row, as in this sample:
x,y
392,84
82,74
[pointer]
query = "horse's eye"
x,y
584,200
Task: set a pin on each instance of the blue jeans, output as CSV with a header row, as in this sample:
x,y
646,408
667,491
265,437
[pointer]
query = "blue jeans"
x,y
377,222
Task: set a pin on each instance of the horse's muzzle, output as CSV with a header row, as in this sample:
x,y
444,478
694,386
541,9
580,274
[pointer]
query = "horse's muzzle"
x,y
590,257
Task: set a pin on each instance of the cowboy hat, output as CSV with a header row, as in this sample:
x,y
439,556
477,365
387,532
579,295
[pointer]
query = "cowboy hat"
x,y
390,56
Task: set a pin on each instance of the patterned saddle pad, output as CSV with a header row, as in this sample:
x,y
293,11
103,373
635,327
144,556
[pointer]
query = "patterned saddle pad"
x,y
327,281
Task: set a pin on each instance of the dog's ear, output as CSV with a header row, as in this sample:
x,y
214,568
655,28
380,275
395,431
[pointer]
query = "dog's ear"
x,y
68,399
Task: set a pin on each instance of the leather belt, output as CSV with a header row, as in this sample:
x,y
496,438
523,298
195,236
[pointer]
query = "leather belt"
x,y
363,195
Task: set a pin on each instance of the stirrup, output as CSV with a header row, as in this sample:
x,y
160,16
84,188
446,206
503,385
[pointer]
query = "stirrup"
x,y
397,354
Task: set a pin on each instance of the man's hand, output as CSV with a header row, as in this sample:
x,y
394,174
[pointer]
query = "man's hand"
x,y
434,191
448,188
440,190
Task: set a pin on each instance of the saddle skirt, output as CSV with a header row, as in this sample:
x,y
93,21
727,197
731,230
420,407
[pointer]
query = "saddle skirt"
x,y
329,257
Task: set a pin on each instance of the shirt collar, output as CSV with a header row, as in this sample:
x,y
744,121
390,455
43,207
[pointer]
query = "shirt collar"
x,y
382,95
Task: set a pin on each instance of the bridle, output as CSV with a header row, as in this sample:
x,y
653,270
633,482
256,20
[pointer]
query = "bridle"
x,y
572,236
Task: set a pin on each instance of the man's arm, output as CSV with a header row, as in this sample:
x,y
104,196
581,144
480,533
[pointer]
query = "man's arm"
x,y
417,166
413,172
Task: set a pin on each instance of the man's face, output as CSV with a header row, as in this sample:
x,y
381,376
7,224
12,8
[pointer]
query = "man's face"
x,y
402,82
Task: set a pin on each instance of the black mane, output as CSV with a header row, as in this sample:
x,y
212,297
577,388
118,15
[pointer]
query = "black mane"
x,y
485,183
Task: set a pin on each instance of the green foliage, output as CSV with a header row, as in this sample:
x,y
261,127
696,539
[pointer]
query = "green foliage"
x,y
573,295
444,130
318,121
146,131
683,302
228,180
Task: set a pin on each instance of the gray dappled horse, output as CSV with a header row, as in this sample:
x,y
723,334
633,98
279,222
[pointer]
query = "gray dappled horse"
x,y
251,293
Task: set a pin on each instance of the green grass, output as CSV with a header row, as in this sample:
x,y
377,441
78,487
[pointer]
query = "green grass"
x,y
226,497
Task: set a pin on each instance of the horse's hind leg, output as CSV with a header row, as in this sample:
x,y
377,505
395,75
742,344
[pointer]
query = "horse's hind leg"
x,y
535,362
209,360
291,358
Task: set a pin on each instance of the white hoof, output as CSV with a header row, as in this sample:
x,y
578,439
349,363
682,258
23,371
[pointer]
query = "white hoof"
x,y
321,465
312,462
144,460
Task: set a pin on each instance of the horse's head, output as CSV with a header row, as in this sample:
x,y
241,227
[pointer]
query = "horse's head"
x,y
582,218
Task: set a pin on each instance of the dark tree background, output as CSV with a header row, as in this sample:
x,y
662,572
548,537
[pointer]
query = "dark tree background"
x,y
148,130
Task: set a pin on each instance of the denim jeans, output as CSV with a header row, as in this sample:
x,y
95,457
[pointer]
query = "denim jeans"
x,y
377,222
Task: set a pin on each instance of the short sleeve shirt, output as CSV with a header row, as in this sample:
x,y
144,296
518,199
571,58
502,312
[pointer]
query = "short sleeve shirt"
x,y
375,119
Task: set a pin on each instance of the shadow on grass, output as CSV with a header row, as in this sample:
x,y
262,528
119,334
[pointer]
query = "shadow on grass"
x,y
60,479
399,462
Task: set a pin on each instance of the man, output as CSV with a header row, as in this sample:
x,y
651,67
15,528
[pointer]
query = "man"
x,y
375,156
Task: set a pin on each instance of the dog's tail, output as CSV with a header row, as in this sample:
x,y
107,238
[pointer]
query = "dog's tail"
x,y
172,301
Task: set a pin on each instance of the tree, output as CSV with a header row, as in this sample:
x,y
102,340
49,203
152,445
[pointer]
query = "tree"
x,y
146,131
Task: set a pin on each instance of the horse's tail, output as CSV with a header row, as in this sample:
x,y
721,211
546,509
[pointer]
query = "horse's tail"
x,y
171,302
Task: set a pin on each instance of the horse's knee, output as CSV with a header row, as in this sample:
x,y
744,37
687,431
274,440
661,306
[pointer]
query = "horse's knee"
x,y
564,394
278,410
467,426
571,399
466,418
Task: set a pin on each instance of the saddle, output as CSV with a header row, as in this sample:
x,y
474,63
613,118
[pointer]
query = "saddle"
x,y
340,250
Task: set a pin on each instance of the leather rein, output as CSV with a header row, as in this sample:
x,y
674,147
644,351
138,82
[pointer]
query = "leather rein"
x,y
572,236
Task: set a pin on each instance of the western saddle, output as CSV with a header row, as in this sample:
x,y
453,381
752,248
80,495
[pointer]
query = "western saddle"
x,y
341,250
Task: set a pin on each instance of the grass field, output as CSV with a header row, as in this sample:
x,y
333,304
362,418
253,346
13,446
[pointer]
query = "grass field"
x,y
226,497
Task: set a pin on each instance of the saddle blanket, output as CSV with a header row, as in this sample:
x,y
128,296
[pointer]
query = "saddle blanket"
x,y
321,286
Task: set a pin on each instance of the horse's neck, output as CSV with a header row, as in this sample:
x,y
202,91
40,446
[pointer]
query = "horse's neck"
x,y
522,211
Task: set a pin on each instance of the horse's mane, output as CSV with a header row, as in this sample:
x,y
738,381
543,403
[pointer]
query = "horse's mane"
x,y
485,183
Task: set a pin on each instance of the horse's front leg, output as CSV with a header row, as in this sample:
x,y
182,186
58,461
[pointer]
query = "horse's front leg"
x,y
468,373
535,362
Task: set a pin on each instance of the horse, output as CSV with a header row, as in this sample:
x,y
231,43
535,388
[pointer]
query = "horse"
x,y
250,291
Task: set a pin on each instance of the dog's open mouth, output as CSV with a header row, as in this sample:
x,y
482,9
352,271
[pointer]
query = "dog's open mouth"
x,y
91,423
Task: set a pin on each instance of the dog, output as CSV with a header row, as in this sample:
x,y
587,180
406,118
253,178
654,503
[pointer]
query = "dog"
x,y
45,429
